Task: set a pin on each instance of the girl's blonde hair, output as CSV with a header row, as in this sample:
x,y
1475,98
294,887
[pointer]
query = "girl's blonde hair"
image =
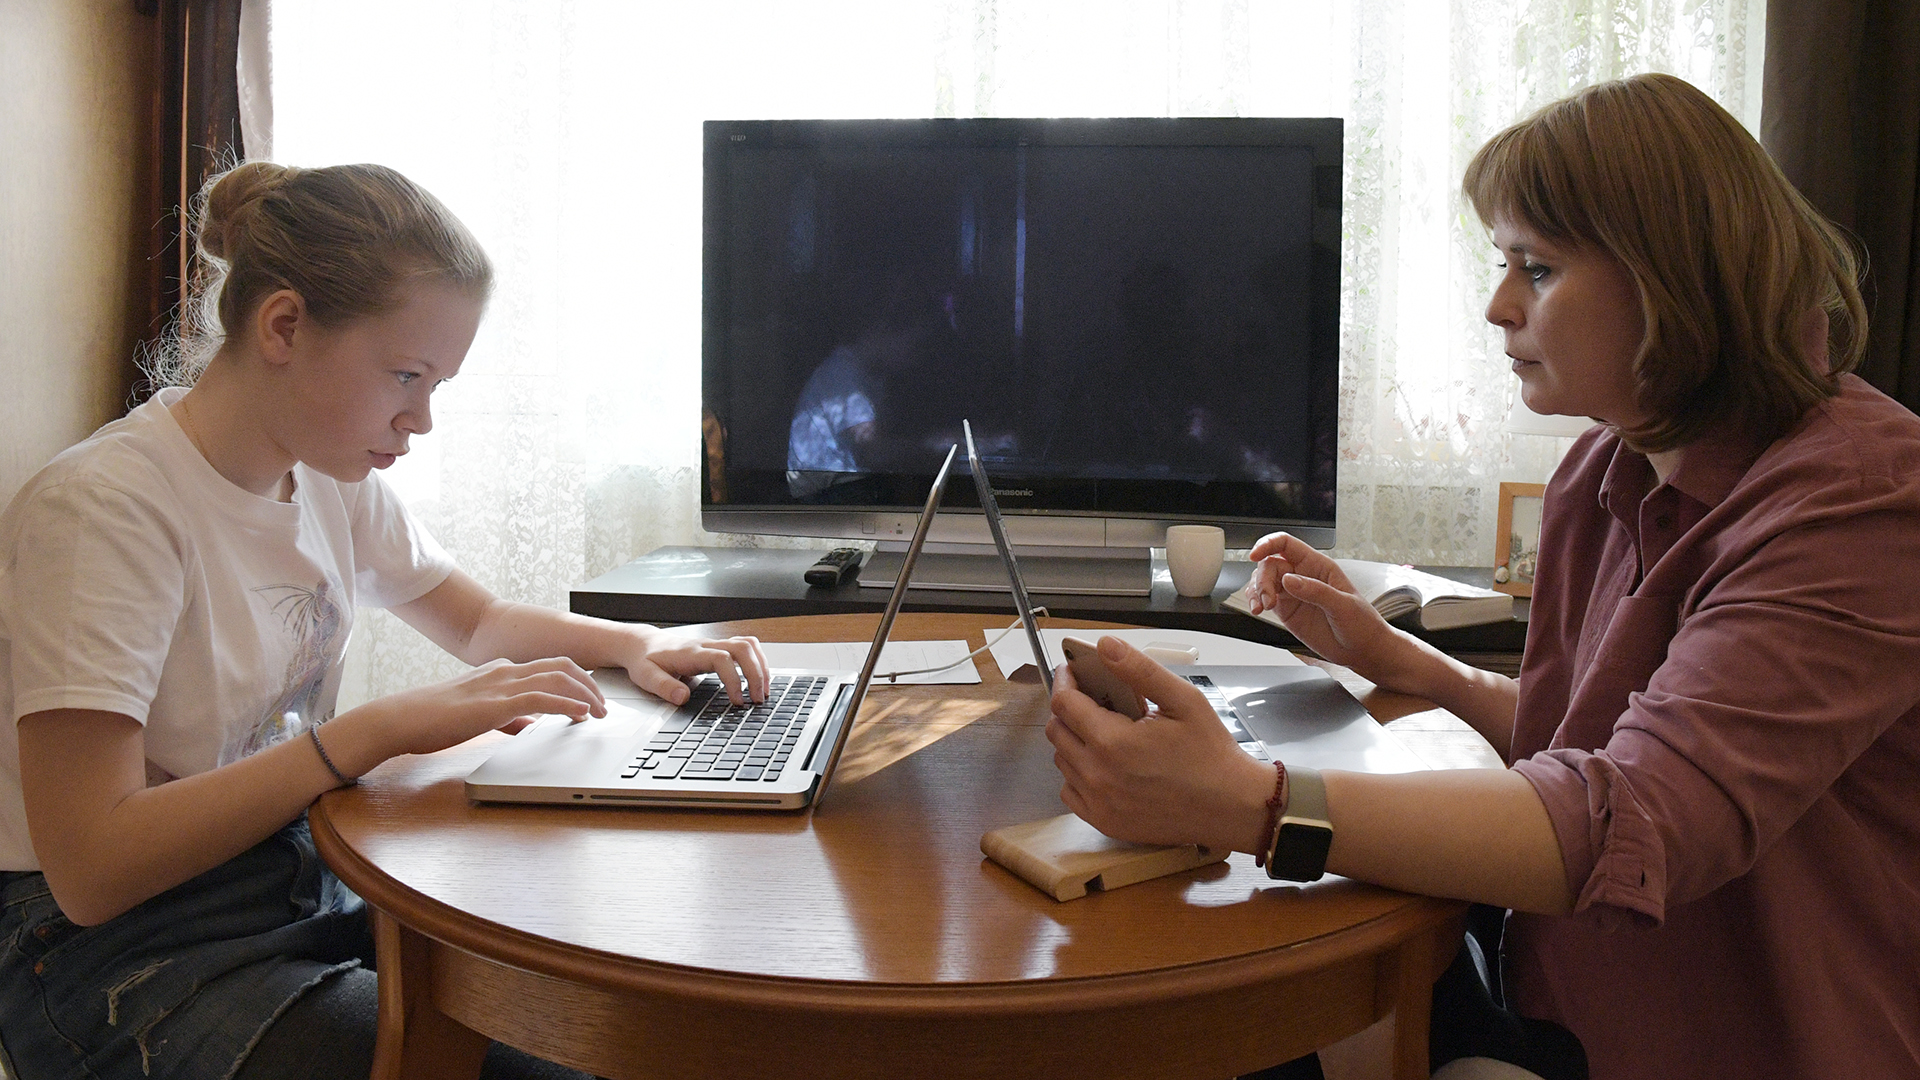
x,y
346,238
1730,261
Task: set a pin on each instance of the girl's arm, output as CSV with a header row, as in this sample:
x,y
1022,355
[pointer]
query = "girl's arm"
x,y
462,617
1178,777
1319,606
107,841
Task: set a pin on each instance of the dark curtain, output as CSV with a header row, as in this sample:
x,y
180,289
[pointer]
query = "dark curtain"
x,y
1841,114
195,125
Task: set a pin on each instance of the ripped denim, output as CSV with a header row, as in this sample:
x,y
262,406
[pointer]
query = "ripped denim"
x,y
182,986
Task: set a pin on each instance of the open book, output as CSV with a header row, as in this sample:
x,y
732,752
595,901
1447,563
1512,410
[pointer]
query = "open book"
x,y
1397,590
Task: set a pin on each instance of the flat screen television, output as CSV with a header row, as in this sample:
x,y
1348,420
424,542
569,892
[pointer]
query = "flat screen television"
x,y
1140,317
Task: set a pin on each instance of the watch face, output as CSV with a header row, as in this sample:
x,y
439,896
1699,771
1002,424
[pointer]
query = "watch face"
x,y
1300,854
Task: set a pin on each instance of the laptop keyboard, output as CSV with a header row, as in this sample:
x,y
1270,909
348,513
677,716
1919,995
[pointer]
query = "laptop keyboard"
x,y
1241,735
710,738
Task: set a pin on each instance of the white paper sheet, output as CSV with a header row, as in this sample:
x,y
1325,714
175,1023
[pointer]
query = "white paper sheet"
x,y
897,656
1013,652
839,656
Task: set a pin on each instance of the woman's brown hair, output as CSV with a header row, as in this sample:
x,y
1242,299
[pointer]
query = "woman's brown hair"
x,y
1730,261
346,238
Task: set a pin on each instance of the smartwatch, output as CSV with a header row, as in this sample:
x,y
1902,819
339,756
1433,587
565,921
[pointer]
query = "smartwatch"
x,y
1300,844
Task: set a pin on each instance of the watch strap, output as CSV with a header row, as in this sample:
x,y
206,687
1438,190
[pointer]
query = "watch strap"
x,y
1305,833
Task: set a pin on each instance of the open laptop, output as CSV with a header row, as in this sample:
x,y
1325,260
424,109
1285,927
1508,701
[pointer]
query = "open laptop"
x,y
1296,713
779,754
991,506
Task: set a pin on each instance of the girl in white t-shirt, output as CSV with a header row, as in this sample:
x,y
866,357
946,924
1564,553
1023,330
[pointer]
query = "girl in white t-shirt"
x,y
176,594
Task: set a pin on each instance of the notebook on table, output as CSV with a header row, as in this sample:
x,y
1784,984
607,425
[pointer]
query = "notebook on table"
x,y
779,754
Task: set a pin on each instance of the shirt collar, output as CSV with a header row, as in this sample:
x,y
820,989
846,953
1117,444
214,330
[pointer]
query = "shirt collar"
x,y
1628,480
1711,465
1708,469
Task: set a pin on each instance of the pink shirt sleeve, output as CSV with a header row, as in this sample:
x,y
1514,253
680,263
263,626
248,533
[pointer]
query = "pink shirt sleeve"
x,y
1781,664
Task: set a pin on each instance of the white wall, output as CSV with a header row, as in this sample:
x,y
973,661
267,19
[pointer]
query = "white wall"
x,y
73,144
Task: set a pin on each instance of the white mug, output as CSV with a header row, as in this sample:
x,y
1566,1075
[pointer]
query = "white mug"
x,y
1194,555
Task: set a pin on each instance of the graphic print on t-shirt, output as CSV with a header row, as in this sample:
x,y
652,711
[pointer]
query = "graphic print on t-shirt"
x,y
313,619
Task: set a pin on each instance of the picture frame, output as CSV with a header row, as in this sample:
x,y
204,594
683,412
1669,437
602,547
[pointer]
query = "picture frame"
x,y
1517,545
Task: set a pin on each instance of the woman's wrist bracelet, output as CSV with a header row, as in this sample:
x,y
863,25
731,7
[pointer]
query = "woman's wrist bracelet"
x,y
1274,802
314,732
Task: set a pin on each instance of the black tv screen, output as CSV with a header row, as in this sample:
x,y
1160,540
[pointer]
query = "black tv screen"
x,y
1139,317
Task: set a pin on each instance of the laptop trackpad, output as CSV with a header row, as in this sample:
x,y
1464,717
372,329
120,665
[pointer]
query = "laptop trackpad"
x,y
1298,709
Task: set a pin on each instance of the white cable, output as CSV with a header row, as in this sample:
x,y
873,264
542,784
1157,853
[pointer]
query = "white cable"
x,y
895,676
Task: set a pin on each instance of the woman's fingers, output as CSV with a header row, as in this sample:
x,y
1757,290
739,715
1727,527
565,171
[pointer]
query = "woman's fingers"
x,y
1271,544
1320,594
1347,615
1276,555
1287,553
1174,695
1077,717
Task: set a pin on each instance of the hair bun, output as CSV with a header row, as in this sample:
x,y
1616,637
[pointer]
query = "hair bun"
x,y
232,198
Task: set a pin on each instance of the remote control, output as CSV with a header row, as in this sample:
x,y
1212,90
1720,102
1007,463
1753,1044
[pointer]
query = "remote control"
x,y
834,567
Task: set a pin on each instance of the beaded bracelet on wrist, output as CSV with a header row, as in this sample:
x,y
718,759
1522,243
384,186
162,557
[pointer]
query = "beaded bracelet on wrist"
x,y
314,733
1274,802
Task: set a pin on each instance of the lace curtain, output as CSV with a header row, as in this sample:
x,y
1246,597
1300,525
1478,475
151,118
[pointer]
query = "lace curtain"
x,y
567,134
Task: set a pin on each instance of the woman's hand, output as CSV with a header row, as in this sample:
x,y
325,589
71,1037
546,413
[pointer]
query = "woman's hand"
x,y
1174,777
1319,606
660,660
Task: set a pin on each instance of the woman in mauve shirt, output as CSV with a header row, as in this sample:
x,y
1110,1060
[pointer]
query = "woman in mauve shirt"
x,y
1707,834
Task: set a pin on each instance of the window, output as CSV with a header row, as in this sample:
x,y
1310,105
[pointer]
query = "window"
x,y
567,134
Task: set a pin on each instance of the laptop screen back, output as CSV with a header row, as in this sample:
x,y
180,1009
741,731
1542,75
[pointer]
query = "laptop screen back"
x,y
860,685
999,531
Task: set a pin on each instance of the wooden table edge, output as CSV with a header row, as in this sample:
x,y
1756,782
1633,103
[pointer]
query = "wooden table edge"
x,y
529,952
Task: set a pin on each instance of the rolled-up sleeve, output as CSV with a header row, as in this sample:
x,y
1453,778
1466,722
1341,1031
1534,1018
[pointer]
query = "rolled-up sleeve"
x,y
1614,854
1781,672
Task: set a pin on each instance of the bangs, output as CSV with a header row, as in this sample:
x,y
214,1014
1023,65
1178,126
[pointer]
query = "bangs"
x,y
1522,174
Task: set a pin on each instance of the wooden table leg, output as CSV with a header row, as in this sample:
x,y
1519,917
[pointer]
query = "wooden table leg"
x,y
1408,974
416,1041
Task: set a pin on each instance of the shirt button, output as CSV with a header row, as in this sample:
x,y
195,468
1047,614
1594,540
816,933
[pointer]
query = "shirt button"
x,y
1665,521
42,932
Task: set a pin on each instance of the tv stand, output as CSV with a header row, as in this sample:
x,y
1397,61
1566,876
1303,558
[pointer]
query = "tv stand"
x,y
676,585
1122,573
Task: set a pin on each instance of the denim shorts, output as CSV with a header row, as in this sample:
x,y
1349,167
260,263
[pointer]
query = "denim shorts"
x,y
182,986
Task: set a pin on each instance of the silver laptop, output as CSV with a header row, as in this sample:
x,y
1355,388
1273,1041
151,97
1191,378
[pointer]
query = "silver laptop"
x,y
1301,715
779,754
991,507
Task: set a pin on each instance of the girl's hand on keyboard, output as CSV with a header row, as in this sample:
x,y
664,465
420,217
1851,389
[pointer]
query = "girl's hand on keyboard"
x,y
662,660
493,695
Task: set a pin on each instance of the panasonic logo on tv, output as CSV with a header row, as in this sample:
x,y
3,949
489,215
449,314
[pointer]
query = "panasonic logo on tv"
x,y
1005,493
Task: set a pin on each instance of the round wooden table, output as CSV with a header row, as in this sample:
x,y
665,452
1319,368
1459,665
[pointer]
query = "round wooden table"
x,y
867,938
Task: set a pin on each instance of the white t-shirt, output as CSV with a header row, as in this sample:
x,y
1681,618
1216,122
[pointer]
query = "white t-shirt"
x,y
135,579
